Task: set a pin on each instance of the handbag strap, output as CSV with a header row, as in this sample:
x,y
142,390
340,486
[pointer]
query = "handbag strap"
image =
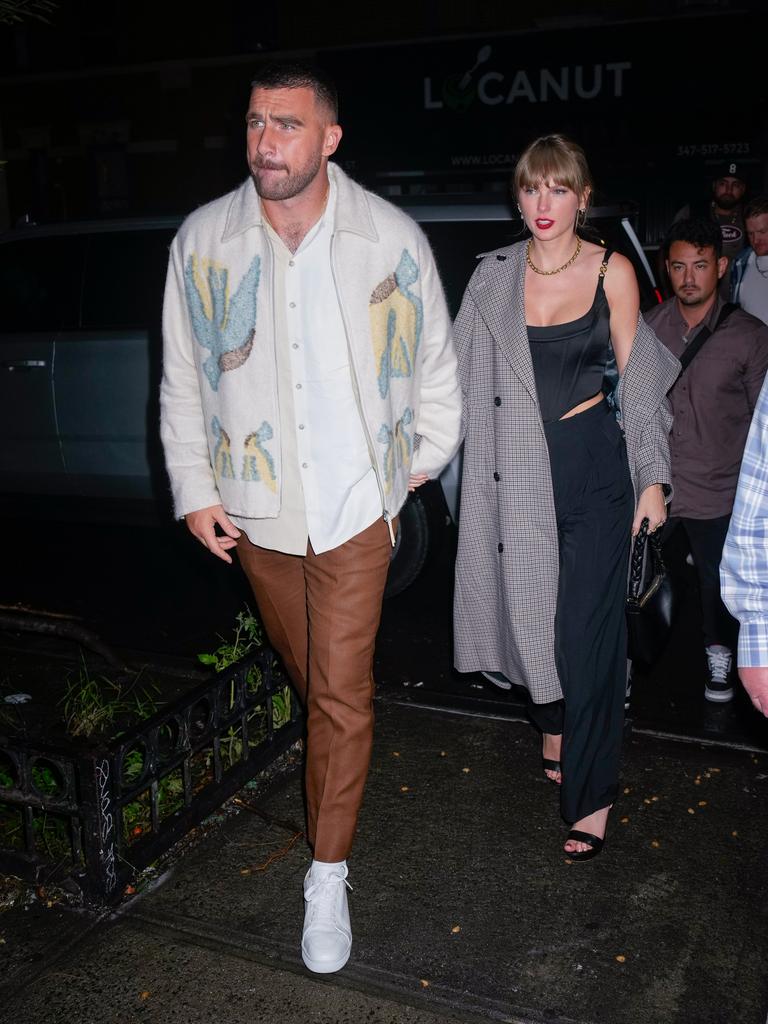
x,y
698,342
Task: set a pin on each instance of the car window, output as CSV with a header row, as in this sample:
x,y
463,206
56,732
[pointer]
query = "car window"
x,y
125,278
40,283
457,244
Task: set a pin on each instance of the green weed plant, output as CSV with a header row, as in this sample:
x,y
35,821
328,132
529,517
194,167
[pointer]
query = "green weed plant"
x,y
248,636
96,706
93,705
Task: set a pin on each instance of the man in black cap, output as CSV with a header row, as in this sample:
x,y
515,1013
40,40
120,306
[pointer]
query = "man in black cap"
x,y
726,206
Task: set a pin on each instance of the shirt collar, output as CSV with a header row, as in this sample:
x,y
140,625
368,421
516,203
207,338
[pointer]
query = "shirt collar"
x,y
351,213
710,319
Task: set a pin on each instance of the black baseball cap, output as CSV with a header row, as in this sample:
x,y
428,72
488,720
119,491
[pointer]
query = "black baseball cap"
x,y
730,169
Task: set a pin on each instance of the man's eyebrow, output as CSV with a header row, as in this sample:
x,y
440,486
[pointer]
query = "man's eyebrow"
x,y
282,118
286,118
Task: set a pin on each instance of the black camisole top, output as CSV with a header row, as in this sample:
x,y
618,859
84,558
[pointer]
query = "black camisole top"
x,y
570,360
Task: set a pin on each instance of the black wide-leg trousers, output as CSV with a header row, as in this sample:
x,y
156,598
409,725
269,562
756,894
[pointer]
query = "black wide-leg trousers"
x,y
594,505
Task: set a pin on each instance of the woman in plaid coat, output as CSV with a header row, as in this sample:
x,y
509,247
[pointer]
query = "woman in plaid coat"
x,y
553,485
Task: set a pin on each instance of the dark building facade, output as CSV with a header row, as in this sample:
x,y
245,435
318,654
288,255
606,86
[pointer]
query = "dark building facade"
x,y
646,98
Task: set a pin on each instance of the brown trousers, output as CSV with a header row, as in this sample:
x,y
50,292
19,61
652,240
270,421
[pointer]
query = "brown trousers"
x,y
321,614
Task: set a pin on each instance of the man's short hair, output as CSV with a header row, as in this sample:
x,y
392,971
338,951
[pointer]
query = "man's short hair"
x,y
700,232
300,75
756,207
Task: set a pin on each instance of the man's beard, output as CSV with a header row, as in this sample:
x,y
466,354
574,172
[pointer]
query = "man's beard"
x,y
289,186
727,201
698,298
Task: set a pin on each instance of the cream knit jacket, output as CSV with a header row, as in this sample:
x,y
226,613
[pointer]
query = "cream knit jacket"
x,y
219,404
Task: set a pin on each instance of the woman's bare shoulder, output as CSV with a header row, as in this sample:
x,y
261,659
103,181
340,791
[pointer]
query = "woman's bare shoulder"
x,y
619,266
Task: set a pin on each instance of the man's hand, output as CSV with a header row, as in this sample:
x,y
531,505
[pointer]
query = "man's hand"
x,y
202,525
755,681
652,507
416,480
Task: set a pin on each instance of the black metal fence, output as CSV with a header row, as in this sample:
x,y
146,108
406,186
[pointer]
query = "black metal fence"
x,y
98,817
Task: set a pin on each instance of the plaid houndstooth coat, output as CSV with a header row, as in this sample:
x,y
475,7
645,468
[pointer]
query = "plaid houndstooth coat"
x,y
507,562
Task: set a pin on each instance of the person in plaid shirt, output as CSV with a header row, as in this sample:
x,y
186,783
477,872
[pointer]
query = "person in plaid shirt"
x,y
744,565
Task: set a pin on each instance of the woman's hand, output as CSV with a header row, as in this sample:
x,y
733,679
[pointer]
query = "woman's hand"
x,y
652,507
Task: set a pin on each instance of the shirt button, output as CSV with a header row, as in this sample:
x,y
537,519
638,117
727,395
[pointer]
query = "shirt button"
x,y
501,548
305,465
290,263
496,477
292,305
295,345
298,387
301,426
497,400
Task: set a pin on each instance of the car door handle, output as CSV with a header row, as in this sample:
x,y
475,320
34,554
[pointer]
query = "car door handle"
x,y
23,364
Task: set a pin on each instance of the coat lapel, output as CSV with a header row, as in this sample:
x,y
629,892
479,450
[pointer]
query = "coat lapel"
x,y
500,298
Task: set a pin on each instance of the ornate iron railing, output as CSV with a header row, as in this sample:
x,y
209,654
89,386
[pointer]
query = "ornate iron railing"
x,y
99,816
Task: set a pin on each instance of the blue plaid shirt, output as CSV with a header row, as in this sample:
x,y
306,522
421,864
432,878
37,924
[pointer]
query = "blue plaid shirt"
x,y
744,565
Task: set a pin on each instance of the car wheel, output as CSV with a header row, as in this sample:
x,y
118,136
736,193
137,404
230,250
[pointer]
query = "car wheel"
x,y
411,546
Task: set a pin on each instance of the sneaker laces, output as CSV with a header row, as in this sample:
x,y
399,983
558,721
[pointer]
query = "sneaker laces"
x,y
719,665
322,892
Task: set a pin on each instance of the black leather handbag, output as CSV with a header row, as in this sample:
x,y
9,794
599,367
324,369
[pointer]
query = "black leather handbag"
x,y
651,599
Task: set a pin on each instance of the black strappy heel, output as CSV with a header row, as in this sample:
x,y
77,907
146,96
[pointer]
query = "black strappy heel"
x,y
595,844
549,765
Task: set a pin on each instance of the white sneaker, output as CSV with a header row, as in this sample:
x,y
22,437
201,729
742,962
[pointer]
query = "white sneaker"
x,y
719,660
326,941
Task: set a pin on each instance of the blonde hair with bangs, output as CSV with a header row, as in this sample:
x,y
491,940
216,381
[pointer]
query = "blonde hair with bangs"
x,y
556,159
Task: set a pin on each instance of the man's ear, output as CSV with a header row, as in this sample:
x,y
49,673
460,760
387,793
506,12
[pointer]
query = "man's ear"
x,y
331,139
722,266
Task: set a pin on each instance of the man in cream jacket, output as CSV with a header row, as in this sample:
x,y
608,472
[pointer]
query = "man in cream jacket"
x,y
309,381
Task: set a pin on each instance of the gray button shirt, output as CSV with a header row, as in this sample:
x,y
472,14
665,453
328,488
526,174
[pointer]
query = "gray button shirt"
x,y
712,404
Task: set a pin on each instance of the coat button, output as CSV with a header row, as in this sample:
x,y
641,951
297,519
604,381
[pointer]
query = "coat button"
x,y
496,477
497,400
501,548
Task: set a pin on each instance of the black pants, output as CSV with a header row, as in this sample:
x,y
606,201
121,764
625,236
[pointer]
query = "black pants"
x,y
594,507
706,538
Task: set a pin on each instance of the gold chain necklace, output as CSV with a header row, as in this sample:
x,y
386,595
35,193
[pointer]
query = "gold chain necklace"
x,y
548,273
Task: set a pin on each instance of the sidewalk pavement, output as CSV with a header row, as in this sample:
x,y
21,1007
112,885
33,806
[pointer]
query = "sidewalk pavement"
x,y
464,906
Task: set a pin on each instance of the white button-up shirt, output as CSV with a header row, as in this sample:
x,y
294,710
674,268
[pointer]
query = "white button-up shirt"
x,y
330,492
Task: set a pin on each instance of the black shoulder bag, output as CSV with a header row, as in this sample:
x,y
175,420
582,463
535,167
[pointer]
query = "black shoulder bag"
x,y
652,601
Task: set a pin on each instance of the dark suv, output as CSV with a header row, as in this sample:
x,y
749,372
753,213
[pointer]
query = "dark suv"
x,y
80,357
